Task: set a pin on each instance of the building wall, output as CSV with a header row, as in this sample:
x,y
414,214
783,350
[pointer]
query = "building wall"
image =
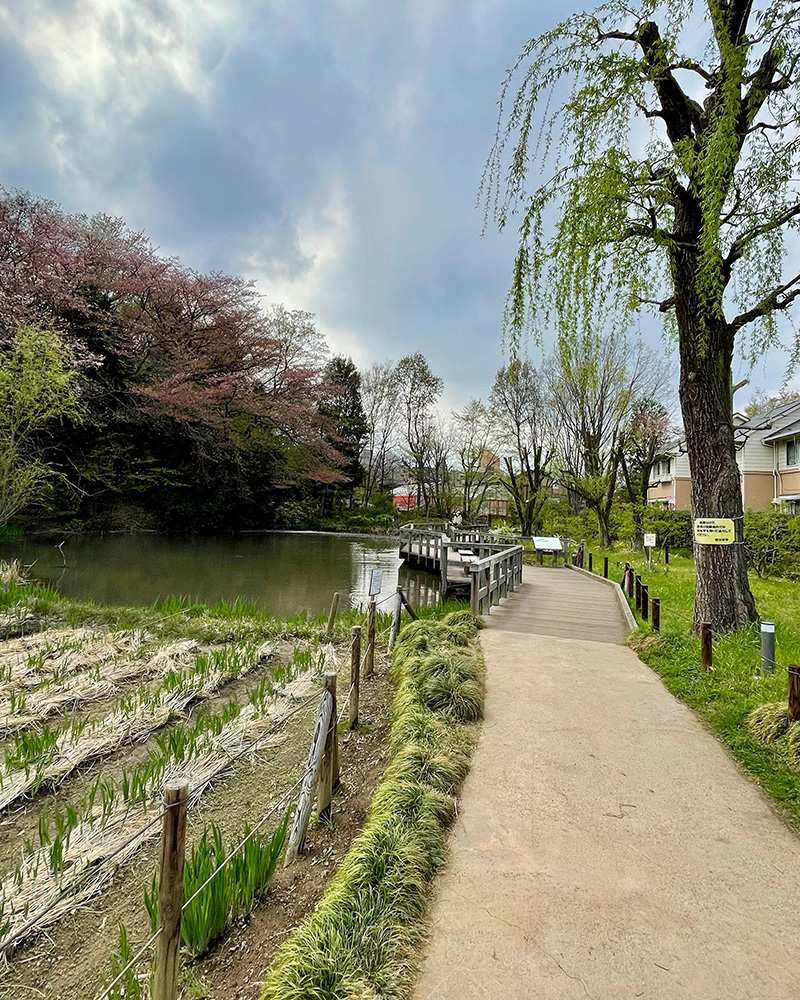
x,y
683,493
789,482
755,456
780,447
757,490
660,491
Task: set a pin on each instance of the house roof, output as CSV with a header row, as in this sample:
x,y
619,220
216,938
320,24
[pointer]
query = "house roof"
x,y
771,425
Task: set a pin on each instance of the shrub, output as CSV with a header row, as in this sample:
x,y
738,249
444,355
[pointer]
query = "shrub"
x,y
359,942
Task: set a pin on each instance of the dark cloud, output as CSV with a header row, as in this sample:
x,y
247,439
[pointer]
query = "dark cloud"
x,y
366,120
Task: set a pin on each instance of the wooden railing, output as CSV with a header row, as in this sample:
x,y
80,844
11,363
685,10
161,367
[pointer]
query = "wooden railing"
x,y
494,570
494,576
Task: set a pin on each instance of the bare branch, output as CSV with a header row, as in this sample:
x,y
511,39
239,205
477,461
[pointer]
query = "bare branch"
x,y
777,300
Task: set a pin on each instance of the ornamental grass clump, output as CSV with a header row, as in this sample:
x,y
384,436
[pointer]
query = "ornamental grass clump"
x,y
360,942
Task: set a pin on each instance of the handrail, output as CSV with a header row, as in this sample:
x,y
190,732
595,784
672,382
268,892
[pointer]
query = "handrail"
x,y
493,576
496,570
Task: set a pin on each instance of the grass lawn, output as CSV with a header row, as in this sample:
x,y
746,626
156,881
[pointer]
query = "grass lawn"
x,y
725,696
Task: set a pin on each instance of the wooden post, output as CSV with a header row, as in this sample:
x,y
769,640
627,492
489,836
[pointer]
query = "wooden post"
x,y
627,584
666,555
638,590
398,610
605,567
170,891
590,563
369,665
355,674
706,650
297,837
329,768
767,647
794,692
645,602
407,606
332,615
656,614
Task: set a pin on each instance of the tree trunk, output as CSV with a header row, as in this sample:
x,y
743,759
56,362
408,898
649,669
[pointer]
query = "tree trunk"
x,y
722,595
603,526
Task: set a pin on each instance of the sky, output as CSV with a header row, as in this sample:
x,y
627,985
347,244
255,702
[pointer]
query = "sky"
x,y
332,152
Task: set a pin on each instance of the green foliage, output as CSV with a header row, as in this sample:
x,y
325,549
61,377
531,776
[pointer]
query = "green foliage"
x,y
772,543
359,941
673,527
232,892
129,987
39,384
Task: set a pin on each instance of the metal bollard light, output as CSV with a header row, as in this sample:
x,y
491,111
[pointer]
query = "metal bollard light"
x,y
767,647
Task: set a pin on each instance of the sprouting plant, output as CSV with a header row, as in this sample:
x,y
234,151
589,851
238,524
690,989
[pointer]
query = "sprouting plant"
x,y
129,987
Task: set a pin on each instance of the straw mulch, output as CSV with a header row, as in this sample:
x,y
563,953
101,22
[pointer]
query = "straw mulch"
x,y
120,727
50,699
37,897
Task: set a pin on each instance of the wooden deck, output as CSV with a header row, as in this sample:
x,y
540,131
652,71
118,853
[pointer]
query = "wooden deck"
x,y
560,602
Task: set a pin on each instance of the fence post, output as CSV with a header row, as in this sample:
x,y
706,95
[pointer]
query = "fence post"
x,y
170,891
605,567
474,585
591,570
767,647
325,714
369,666
355,674
666,555
656,614
794,692
626,581
329,768
645,602
638,590
706,650
412,613
398,610
332,615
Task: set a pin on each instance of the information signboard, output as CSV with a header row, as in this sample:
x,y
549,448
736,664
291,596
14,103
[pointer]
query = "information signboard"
x,y
650,540
714,531
375,582
547,543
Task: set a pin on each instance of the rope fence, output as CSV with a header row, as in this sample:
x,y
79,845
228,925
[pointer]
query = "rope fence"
x,y
321,770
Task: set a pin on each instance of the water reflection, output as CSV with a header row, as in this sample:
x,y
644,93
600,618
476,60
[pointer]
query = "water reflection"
x,y
283,573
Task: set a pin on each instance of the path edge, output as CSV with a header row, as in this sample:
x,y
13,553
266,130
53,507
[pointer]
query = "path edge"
x,y
622,600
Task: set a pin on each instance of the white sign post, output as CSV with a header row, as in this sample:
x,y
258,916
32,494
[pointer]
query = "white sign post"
x,y
375,582
650,544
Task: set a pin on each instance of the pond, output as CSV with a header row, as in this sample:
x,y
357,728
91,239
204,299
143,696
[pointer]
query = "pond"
x,y
282,572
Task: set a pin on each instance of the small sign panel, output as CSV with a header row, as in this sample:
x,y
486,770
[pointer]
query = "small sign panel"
x,y
375,582
714,531
544,543
650,540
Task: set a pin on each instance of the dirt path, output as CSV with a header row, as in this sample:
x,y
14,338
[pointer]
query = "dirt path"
x,y
606,845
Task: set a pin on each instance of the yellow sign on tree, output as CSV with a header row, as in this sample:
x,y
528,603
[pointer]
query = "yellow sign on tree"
x,y
714,531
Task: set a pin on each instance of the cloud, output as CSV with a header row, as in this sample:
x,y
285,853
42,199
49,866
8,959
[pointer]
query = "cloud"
x,y
330,151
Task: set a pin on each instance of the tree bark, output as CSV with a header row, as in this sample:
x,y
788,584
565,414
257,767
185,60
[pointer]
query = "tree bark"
x,y
722,595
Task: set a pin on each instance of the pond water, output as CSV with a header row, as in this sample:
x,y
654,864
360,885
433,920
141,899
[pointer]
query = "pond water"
x,y
282,572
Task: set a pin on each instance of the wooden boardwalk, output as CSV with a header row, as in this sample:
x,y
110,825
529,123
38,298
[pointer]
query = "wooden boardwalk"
x,y
560,602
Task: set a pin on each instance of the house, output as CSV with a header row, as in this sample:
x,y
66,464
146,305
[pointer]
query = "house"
x,y
405,497
768,456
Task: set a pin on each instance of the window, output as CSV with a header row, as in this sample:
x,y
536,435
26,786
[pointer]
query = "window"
x,y
791,452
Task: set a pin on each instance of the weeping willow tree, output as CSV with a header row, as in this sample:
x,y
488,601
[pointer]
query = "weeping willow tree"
x,y
668,142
